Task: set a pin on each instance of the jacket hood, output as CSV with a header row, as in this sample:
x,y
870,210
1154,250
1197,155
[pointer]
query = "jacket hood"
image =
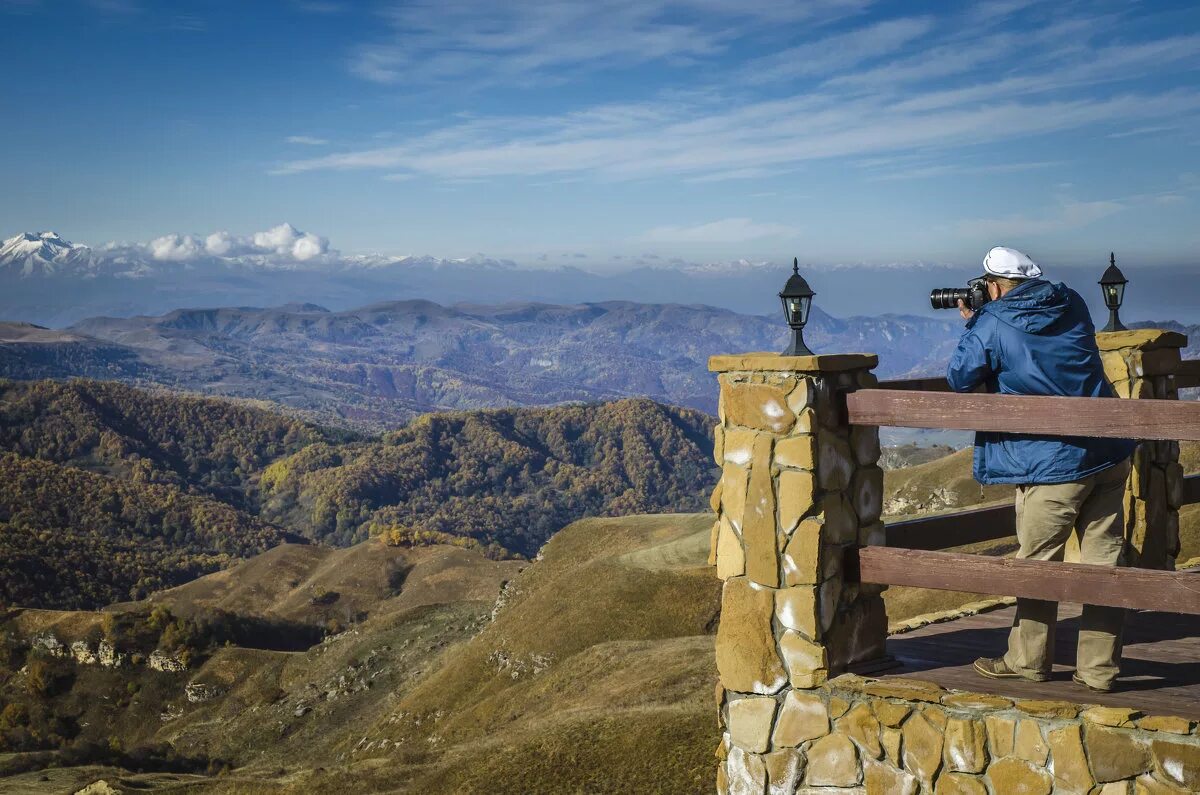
x,y
1032,306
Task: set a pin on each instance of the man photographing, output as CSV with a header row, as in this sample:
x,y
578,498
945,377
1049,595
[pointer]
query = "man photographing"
x,y
1036,338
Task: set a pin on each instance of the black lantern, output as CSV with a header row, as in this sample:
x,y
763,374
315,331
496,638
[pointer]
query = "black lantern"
x,y
797,299
1113,284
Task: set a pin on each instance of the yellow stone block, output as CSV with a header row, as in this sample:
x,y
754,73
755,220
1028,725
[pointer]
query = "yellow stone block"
x,y
746,772
1000,733
797,452
1164,723
796,609
890,739
750,723
802,557
922,748
1017,775
757,406
738,446
966,746
890,713
758,522
1145,339
796,489
881,778
733,493
774,362
731,560
1071,771
806,661
861,726
802,717
833,762
783,769
746,656
1029,744
1117,717
801,395
714,501
719,444
712,543
959,784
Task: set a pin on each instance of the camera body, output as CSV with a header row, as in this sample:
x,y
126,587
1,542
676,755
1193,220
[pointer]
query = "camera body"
x,y
974,295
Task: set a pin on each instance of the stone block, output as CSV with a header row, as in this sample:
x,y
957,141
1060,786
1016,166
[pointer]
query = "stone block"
x,y
713,536
966,746
746,773
746,657
750,723
864,442
936,716
806,662
1147,784
1178,763
758,523
835,462
796,609
797,452
1173,474
907,689
738,447
959,784
1144,339
861,726
775,362
1048,709
1115,754
1117,717
873,535
802,717
1013,775
891,713
1029,744
757,406
881,778
1069,760
866,488
922,748
1157,362
841,524
829,595
859,635
784,768
801,396
1000,733
719,444
1165,723
803,556
976,701
890,738
795,497
731,559
733,492
833,762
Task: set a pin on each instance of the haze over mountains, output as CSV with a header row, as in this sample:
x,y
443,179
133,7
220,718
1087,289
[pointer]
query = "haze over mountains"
x,y
49,280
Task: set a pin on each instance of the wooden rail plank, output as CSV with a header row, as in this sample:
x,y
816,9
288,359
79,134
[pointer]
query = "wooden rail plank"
x,y
1142,589
954,529
1062,416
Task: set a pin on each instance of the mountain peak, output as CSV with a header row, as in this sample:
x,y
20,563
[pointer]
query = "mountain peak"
x,y
39,251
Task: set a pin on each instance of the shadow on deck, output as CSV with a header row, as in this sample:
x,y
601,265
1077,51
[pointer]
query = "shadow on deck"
x,y
1160,671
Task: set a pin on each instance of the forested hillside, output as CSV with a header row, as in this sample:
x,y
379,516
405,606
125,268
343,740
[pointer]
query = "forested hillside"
x,y
76,539
508,478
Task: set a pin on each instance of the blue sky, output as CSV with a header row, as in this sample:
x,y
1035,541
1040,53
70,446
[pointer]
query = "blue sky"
x,y
841,131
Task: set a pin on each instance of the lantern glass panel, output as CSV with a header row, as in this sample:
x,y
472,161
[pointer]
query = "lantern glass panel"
x,y
1114,294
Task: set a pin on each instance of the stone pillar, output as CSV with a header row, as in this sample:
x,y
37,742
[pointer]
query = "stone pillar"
x,y
798,486
1142,364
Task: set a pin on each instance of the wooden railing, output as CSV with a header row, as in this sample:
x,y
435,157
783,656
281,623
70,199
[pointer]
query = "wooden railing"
x,y
910,557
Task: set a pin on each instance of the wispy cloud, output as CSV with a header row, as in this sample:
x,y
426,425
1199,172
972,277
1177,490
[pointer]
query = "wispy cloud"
x,y
853,90
726,230
306,140
1067,215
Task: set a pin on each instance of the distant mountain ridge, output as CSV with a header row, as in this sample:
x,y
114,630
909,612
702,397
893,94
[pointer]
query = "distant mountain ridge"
x,y
381,364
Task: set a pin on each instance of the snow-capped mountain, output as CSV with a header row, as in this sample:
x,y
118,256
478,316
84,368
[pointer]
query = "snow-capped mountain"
x,y
44,253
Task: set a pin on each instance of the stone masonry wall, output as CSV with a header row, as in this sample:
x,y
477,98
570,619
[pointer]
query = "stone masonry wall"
x,y
798,486
1141,364
906,736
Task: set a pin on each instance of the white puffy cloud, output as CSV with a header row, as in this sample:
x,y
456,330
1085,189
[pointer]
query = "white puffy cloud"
x,y
278,245
175,248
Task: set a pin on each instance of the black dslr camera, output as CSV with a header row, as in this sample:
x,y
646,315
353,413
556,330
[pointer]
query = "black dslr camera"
x,y
974,295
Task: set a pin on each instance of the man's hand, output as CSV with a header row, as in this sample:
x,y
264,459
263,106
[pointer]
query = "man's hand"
x,y
966,314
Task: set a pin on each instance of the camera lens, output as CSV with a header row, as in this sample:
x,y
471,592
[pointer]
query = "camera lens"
x,y
948,297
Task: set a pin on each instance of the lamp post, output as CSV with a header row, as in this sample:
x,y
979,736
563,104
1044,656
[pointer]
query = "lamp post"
x,y
797,300
1112,283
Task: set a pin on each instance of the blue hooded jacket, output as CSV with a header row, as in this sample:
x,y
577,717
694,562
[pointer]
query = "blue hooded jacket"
x,y
1036,340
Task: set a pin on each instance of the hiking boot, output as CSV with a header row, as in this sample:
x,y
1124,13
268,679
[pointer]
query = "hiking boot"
x,y
1077,679
996,668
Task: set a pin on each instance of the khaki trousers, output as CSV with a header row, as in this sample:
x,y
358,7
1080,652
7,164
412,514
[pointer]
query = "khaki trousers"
x,y
1046,515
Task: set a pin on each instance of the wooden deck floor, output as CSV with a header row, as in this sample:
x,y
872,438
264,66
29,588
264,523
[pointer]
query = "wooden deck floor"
x,y
1160,672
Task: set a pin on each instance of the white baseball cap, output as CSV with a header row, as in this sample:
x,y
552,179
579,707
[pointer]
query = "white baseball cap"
x,y
1010,264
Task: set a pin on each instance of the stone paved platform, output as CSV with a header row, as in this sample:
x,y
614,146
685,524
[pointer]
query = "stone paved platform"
x,y
1160,672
